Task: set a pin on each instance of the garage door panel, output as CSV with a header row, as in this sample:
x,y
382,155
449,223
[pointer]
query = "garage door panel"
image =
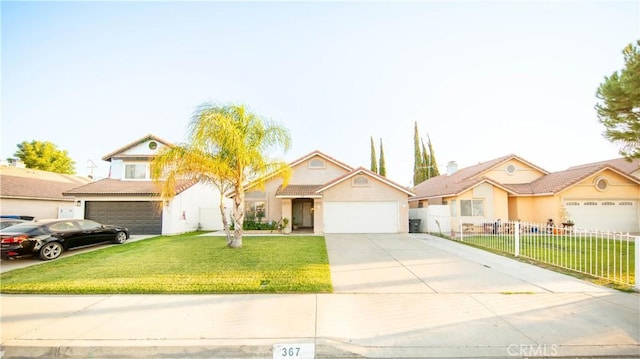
x,y
140,217
360,217
605,215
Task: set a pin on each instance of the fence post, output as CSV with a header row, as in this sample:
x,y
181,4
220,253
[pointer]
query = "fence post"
x,y
517,239
637,264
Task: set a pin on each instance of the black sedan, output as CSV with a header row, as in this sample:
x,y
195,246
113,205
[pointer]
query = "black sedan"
x,y
48,239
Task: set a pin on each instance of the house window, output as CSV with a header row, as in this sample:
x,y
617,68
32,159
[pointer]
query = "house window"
x,y
153,145
137,171
601,184
472,207
361,181
255,210
454,208
510,169
316,163
255,206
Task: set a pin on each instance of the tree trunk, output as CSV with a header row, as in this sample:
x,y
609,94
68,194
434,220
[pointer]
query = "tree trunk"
x,y
225,222
238,219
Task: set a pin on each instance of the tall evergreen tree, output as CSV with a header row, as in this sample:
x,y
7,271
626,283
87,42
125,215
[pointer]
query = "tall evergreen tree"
x,y
418,161
374,160
618,103
383,167
434,164
426,162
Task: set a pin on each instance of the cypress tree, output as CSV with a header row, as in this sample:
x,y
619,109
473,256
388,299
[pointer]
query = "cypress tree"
x,y
374,161
383,167
434,165
418,173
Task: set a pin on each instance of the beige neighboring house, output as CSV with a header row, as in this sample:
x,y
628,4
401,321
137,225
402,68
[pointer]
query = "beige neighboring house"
x,y
601,196
325,195
35,193
130,198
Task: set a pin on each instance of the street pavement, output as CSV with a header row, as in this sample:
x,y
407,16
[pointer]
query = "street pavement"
x,y
395,296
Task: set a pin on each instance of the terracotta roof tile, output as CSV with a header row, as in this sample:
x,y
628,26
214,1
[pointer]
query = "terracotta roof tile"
x,y
35,184
298,191
115,187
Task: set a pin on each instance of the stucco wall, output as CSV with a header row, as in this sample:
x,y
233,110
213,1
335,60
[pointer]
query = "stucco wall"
x,y
302,174
619,188
41,209
183,213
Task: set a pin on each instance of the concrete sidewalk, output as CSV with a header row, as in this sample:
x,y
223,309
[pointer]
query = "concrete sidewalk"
x,y
396,296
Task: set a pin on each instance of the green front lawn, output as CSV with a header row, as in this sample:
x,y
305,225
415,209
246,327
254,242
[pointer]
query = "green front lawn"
x,y
183,264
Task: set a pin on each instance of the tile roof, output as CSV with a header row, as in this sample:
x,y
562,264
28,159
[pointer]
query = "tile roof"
x,y
466,178
25,183
296,190
115,187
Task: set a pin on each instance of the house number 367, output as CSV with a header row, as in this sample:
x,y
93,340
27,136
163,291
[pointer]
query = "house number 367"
x,y
290,352
297,351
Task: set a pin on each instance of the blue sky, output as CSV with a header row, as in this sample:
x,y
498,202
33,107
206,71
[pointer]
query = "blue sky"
x,y
482,79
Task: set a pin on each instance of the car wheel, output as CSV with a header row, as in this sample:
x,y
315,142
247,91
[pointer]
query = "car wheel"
x,y
51,250
121,237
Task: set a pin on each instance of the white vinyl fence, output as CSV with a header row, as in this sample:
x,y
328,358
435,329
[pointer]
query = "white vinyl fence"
x,y
612,256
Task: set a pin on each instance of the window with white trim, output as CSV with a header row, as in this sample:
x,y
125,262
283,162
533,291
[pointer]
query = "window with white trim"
x,y
601,184
472,207
135,171
317,163
360,181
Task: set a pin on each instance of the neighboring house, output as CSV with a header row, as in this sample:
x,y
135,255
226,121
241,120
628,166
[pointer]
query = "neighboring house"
x,y
130,198
35,193
603,195
325,195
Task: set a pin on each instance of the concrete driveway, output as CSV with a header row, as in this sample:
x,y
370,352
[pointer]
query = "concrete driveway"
x,y
419,263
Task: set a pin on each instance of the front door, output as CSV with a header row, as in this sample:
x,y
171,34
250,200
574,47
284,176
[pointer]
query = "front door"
x,y
302,213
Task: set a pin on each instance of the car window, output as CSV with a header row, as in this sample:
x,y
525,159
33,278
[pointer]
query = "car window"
x,y
87,224
63,226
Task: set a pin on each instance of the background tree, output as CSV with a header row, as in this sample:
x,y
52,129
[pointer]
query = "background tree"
x,y
374,160
619,104
433,164
419,171
44,155
229,147
382,170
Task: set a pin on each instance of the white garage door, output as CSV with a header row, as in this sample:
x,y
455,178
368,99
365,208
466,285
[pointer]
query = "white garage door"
x,y
609,215
360,217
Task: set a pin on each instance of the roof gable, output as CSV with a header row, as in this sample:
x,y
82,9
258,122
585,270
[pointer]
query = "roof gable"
x,y
363,171
317,153
122,151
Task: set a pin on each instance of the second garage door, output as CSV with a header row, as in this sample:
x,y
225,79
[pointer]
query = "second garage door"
x,y
139,217
360,217
608,215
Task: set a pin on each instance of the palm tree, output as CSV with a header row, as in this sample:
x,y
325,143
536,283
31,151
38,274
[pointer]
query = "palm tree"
x,y
229,146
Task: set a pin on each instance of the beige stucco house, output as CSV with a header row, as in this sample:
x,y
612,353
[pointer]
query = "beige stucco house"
x,y
601,196
325,195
